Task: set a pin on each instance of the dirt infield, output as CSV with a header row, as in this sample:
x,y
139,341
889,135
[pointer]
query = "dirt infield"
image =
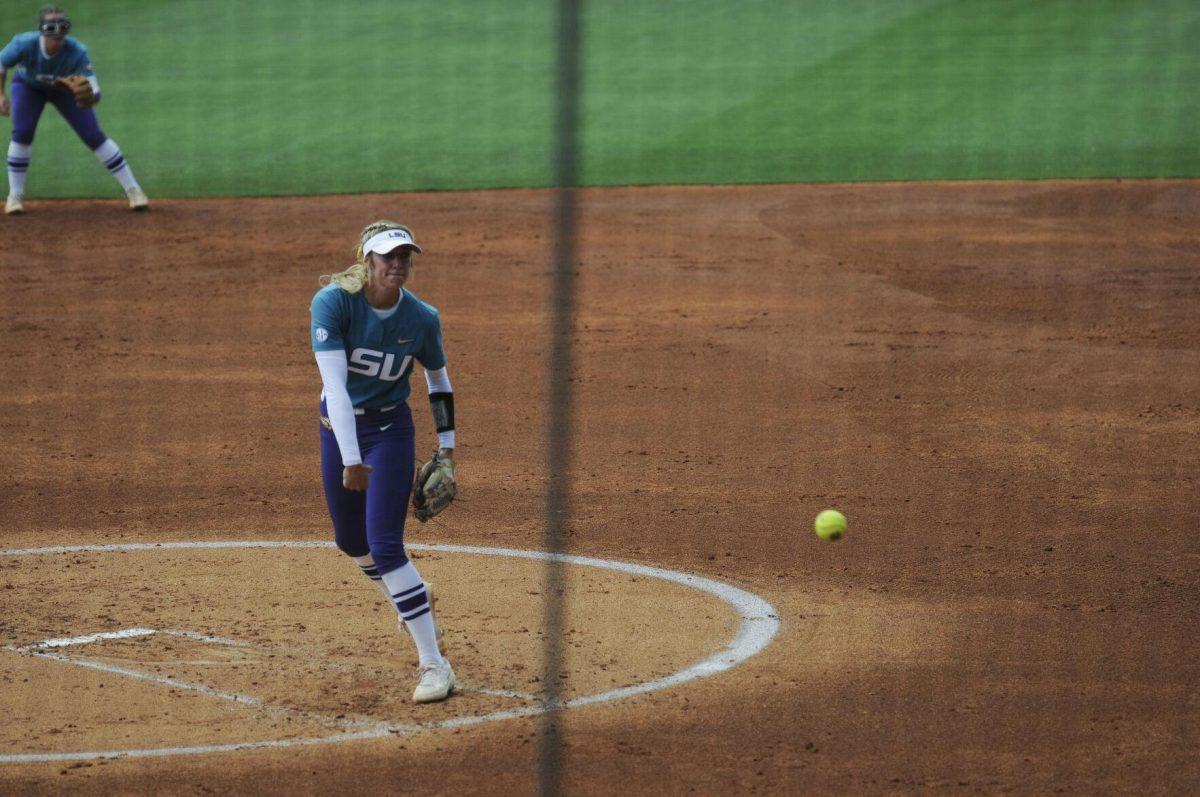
x,y
997,382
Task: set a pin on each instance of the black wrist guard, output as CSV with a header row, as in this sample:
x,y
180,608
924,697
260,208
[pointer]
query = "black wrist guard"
x,y
442,405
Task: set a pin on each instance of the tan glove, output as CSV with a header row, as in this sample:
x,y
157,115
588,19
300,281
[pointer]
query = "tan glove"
x,y
434,487
80,87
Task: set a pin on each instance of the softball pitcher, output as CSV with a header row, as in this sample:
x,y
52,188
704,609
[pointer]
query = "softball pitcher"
x,y
367,331
55,68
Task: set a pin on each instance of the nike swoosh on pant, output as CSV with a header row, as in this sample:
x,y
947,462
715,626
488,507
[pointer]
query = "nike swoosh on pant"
x,y
385,428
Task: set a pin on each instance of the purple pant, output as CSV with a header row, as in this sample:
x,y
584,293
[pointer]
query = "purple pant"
x,y
372,522
28,104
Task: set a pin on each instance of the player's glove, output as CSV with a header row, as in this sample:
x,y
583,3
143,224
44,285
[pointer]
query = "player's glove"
x,y
434,487
80,87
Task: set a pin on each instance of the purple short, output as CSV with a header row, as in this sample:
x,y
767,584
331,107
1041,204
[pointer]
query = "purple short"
x,y
372,522
28,104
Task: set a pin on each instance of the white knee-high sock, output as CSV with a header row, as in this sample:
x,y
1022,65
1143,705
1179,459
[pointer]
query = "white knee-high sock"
x,y
18,165
110,155
408,592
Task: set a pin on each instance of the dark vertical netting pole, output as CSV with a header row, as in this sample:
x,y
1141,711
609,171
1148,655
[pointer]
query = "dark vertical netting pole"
x,y
550,752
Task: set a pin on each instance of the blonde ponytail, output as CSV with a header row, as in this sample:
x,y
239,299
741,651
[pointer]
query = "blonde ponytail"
x,y
354,278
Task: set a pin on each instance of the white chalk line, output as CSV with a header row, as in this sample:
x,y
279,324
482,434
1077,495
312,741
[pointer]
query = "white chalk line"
x,y
87,639
129,672
127,633
38,650
216,640
130,633
759,625
173,546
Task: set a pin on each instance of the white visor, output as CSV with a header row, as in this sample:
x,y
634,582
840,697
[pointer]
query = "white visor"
x,y
388,240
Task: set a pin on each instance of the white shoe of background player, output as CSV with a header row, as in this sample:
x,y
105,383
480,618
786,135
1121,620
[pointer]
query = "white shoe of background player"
x,y
15,205
137,199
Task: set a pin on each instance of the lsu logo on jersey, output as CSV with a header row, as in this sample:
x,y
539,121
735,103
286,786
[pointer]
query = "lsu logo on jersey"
x,y
369,362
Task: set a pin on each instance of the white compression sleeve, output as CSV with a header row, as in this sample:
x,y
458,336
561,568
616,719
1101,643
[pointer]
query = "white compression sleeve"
x,y
439,382
334,371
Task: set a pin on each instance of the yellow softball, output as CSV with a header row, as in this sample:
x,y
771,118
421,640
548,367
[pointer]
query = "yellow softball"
x,y
830,525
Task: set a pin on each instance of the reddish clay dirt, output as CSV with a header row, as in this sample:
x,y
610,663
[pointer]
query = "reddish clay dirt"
x,y
997,382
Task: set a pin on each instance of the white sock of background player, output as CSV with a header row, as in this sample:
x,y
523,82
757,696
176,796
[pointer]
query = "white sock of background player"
x,y
18,165
407,591
110,155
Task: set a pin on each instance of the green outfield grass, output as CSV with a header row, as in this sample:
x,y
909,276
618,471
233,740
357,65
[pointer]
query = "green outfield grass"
x,y
217,97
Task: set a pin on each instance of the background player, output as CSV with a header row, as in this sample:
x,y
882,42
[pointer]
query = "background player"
x,y
41,57
366,332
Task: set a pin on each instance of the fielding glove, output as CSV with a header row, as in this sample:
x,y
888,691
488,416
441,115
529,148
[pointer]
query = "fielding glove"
x,y
80,87
434,487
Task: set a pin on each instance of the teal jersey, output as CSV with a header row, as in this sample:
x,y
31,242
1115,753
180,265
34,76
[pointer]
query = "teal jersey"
x,y
379,352
38,71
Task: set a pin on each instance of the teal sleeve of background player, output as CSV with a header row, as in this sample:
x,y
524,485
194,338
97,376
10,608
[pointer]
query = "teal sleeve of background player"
x,y
431,355
327,330
10,56
85,64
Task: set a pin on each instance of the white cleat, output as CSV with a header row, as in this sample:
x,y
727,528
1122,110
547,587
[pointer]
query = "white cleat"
x,y
436,683
14,206
137,199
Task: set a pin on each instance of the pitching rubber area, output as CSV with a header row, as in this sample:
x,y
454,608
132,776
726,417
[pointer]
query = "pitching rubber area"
x,y
758,624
